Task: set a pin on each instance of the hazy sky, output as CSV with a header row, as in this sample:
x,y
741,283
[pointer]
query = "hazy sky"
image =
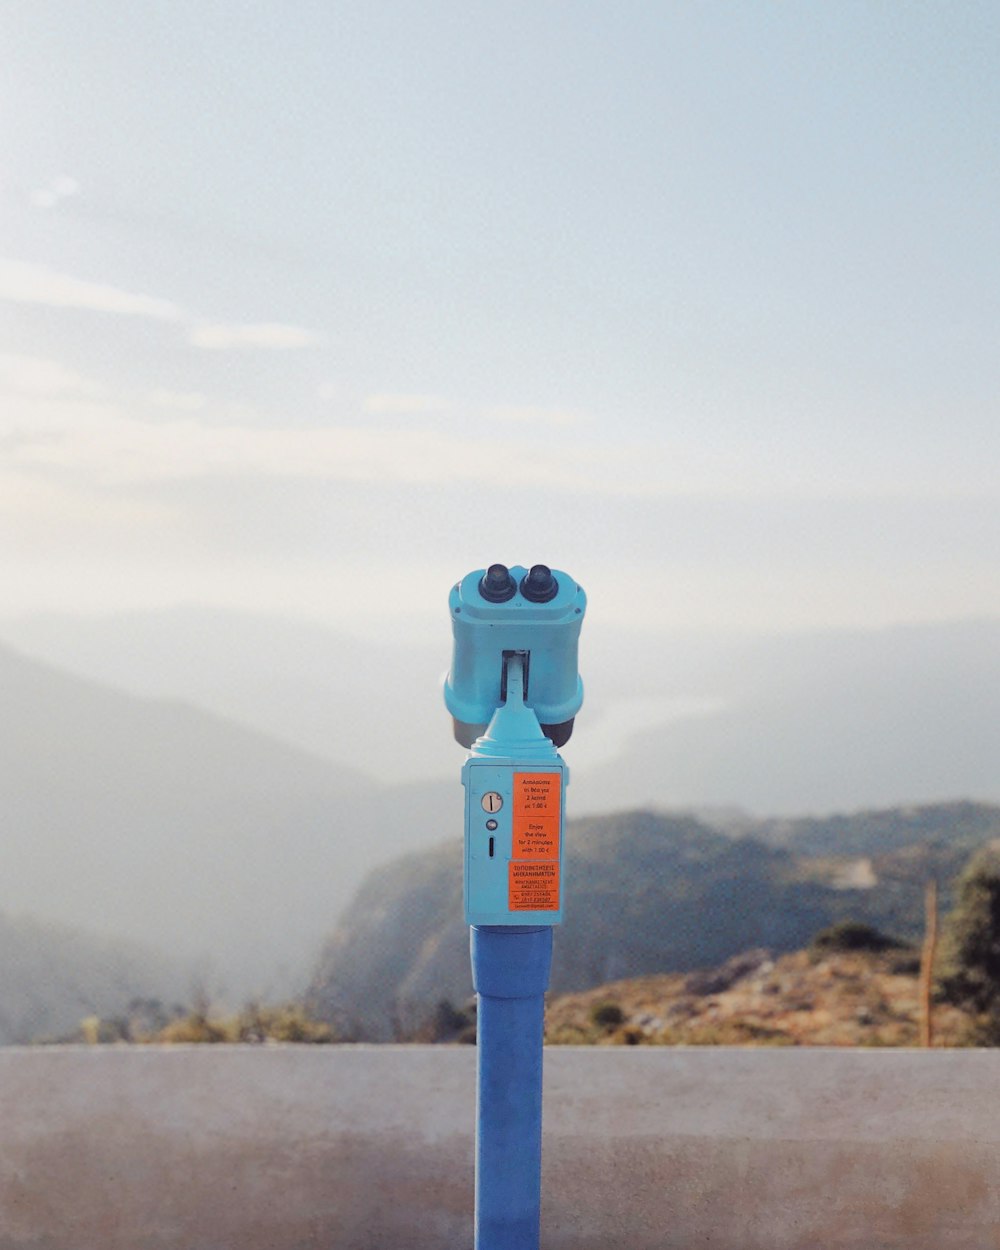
x,y
312,307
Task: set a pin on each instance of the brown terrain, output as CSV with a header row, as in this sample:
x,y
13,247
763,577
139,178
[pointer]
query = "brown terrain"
x,y
808,998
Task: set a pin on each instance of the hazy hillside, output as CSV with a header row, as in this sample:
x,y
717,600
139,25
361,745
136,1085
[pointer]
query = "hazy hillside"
x,y
878,832
51,977
400,944
313,687
156,821
647,893
823,722
797,722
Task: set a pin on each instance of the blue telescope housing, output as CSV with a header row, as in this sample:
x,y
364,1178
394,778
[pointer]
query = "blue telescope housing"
x,y
513,692
497,613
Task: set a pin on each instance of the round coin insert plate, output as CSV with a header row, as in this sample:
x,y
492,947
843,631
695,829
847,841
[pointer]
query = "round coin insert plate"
x,y
492,801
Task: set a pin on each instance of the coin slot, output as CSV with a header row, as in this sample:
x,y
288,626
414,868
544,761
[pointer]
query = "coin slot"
x,y
492,846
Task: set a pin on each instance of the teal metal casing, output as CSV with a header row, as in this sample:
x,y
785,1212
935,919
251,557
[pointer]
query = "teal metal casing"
x,y
515,800
489,888
484,632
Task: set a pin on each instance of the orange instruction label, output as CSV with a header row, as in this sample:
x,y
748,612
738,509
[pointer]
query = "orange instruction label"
x,y
533,887
535,820
537,794
536,839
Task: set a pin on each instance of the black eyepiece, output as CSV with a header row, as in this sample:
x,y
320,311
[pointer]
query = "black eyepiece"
x,y
496,585
538,585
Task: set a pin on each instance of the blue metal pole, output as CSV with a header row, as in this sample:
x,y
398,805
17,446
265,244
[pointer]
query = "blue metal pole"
x,y
510,972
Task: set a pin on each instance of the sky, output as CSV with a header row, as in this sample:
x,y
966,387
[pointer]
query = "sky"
x,y
310,308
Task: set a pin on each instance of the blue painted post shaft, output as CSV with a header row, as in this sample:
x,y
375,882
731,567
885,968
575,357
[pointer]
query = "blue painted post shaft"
x,y
510,972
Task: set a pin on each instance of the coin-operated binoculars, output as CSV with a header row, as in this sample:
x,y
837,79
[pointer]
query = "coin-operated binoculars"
x,y
513,692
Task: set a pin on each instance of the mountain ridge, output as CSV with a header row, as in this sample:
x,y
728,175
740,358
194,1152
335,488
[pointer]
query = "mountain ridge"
x,y
648,892
155,821
781,723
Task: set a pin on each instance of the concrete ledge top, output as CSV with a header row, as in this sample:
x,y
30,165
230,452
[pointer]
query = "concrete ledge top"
x,y
715,1092
371,1147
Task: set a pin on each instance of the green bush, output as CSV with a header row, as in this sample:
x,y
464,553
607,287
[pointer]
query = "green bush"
x,y
852,935
607,1015
972,948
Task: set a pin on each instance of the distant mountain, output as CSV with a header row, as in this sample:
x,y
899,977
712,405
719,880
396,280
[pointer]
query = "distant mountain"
x,y
962,825
820,722
51,977
816,721
401,944
151,818
647,893
155,821
315,688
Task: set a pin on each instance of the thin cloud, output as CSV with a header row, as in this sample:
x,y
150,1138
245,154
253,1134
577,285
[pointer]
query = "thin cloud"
x,y
531,414
178,401
98,442
426,405
37,375
60,188
24,283
270,335
51,425
404,405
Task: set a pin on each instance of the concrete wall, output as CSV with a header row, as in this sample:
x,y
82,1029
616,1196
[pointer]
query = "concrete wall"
x,y
370,1148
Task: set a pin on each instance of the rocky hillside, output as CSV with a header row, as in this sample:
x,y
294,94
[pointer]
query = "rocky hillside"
x,y
842,998
649,893
401,946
